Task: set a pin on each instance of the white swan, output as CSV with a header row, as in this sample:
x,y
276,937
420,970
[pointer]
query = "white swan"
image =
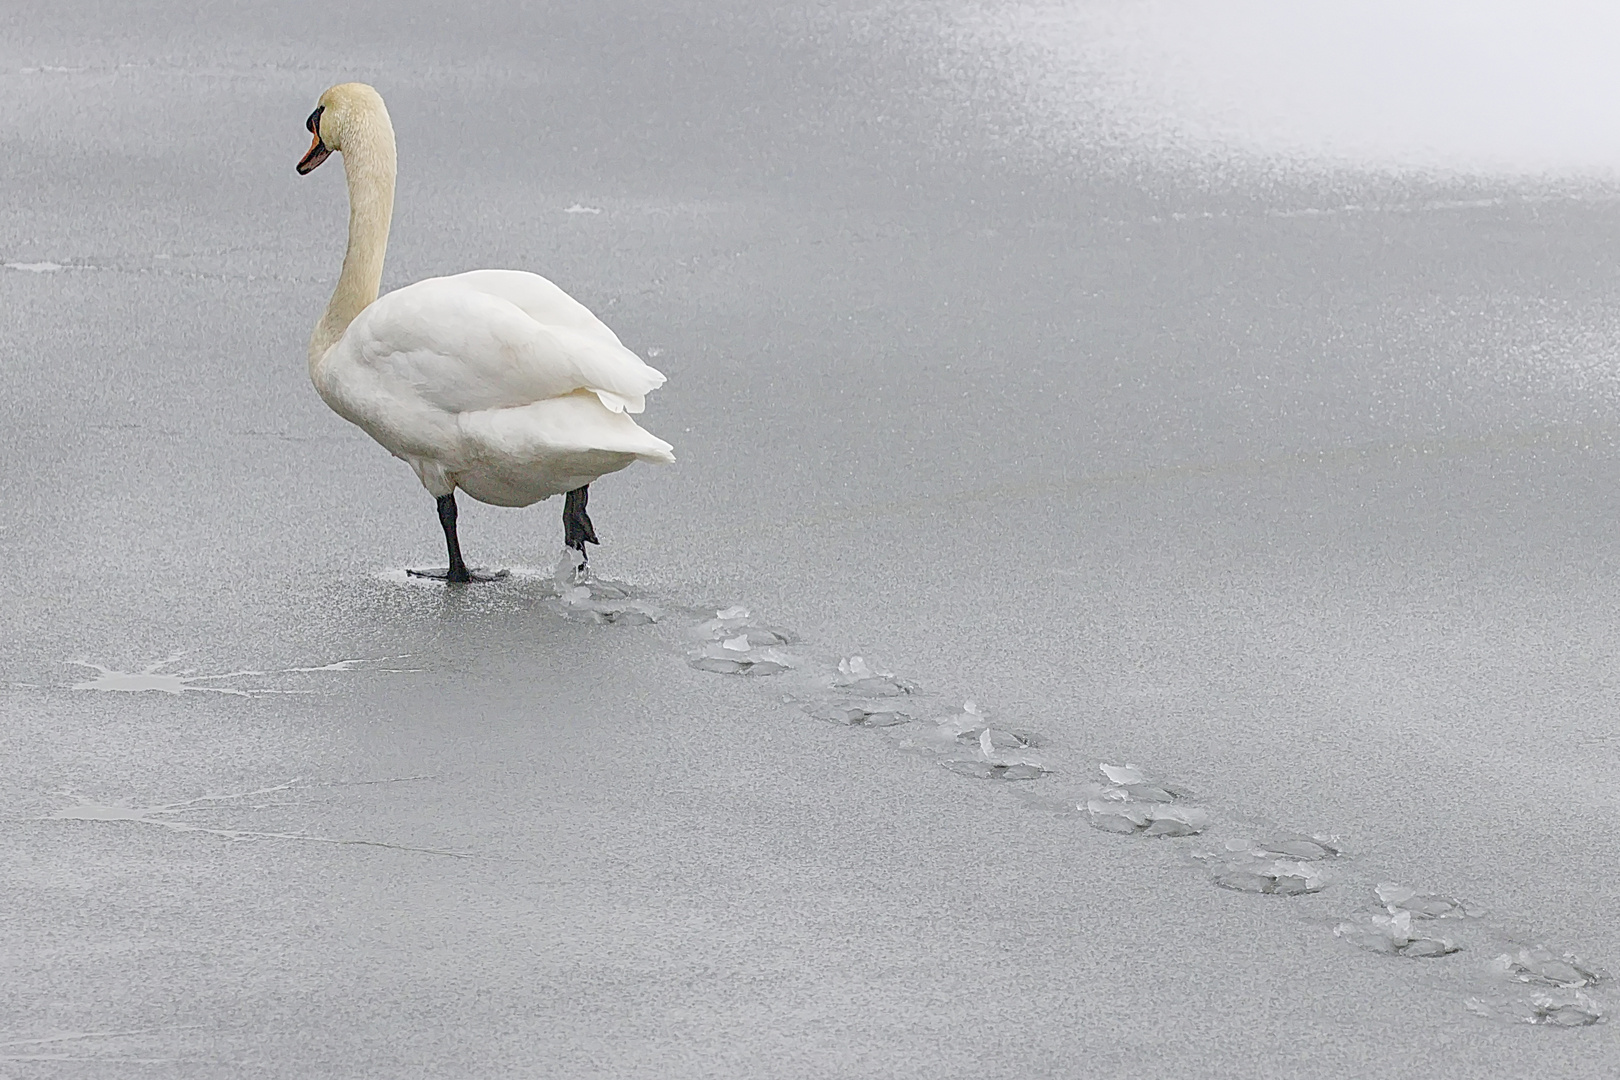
x,y
495,381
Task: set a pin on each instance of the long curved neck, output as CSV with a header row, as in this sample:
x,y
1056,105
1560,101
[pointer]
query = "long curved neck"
x,y
369,165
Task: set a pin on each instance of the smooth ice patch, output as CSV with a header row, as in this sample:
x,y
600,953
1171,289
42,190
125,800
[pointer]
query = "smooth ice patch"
x,y
1519,88
1393,934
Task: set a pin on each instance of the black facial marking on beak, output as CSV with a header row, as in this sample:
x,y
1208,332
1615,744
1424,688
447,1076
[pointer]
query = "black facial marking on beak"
x,y
317,149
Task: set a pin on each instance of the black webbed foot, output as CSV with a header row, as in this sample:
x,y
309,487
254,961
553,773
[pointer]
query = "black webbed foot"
x,y
467,575
577,528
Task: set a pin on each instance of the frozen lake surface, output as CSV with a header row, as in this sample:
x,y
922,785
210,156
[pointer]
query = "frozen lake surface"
x,y
1138,590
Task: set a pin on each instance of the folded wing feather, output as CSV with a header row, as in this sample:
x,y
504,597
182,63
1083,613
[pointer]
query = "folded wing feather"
x,y
466,343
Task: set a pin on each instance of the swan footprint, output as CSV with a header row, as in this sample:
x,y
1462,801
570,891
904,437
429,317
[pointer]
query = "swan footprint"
x,y
1562,1001
1397,898
1540,965
1131,804
736,646
974,747
872,713
1568,1009
1280,864
1395,935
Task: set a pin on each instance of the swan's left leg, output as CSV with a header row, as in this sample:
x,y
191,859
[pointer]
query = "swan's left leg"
x,y
577,528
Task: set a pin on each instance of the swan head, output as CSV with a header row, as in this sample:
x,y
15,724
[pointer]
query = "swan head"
x,y
347,109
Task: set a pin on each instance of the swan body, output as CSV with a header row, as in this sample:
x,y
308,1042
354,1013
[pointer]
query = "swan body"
x,y
493,382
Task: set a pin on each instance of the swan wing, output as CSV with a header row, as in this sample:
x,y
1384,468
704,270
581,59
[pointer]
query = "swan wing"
x,y
542,299
461,346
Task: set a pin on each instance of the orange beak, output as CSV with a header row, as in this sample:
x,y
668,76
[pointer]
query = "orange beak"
x,y
317,154
317,149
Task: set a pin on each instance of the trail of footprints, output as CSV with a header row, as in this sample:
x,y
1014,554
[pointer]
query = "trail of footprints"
x,y
1498,975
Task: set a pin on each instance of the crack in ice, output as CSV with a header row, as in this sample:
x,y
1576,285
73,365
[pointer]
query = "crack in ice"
x,y
152,678
90,810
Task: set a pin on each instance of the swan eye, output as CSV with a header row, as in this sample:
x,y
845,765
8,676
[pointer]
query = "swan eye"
x,y
314,121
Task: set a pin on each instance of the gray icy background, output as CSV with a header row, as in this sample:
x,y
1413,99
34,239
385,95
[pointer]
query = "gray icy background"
x,y
1259,439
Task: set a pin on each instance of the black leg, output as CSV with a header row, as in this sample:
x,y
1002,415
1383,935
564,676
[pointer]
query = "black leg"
x,y
457,571
577,528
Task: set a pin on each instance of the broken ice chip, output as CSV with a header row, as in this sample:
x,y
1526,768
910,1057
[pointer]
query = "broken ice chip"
x,y
1149,819
1118,816
857,667
569,565
737,612
736,644
1280,877
1397,898
1129,780
1304,848
1570,1009
964,725
1176,821
1394,934
992,770
998,739
1290,845
607,603
768,635
858,714
1536,964
631,614
738,667
725,660
856,674
1123,774
634,615
1565,1010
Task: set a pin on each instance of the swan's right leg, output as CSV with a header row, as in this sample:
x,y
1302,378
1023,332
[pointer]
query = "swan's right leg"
x,y
456,572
